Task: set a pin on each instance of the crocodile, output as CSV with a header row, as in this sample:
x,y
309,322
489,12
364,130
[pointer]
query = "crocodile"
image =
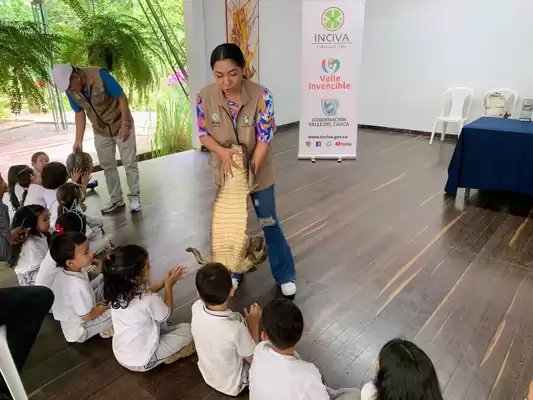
x,y
230,244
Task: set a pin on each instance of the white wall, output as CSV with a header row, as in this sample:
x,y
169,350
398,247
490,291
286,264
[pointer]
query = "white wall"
x,y
279,49
415,49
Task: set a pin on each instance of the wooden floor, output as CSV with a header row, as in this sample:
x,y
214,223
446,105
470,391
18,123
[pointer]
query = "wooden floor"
x,y
380,253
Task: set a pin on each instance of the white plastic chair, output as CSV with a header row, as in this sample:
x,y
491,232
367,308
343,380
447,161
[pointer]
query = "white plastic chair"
x,y
511,98
9,370
455,108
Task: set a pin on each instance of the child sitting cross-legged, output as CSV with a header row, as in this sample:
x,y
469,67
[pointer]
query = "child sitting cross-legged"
x,y
278,372
70,198
77,306
224,343
143,338
68,222
27,257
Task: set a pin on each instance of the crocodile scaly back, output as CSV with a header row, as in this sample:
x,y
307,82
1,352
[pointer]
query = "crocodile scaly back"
x,y
229,241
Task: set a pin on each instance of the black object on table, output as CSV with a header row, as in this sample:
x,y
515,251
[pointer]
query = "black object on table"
x,y
493,154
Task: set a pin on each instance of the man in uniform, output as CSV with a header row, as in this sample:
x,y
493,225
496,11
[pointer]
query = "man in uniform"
x,y
93,93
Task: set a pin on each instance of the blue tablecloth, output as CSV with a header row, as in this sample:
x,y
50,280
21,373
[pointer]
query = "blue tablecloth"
x,y
493,154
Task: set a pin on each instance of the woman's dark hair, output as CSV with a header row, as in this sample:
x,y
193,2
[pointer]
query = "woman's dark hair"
x,y
54,175
69,196
63,247
26,217
228,51
36,156
71,221
122,274
406,372
12,181
283,322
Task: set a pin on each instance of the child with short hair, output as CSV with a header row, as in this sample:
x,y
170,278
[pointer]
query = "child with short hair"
x,y
32,189
54,174
26,258
70,198
143,337
278,372
39,160
80,309
224,339
67,222
403,371
15,190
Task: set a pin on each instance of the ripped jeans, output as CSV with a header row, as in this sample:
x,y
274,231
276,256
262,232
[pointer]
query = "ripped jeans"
x,y
279,252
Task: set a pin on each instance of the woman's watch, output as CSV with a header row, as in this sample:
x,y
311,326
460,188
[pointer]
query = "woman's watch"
x,y
127,123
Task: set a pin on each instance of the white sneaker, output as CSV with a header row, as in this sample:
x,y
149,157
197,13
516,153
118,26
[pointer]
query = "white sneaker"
x,y
107,333
235,283
135,204
110,207
288,289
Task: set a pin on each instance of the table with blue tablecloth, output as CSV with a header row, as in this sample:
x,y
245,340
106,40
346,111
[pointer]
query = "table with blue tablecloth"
x,y
493,154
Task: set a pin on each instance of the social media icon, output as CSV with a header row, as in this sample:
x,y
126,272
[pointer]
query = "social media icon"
x,y
308,144
318,144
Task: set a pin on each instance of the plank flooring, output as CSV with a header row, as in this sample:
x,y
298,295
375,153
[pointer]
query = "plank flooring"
x,y
380,251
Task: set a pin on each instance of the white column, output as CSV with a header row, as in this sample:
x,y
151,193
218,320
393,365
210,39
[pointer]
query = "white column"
x,y
197,63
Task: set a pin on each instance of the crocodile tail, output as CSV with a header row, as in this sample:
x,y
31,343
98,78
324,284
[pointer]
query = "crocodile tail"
x,y
197,254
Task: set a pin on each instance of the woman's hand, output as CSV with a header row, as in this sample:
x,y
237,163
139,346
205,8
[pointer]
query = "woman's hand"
x,y
226,157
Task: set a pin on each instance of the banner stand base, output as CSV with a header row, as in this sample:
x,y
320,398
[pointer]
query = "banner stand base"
x,y
340,157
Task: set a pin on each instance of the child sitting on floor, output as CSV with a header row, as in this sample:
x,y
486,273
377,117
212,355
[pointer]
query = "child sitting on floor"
x,y
143,339
32,189
67,222
39,160
53,176
15,190
26,258
403,371
70,198
224,343
278,372
77,306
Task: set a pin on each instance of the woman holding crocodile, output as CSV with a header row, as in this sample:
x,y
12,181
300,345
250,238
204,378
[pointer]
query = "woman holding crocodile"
x,y
234,110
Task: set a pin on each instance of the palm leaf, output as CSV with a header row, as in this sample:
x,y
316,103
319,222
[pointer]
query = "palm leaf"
x,y
25,54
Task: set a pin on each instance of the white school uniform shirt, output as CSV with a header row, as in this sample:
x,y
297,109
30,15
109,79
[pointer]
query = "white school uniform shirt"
x,y
369,391
281,377
31,255
51,203
74,299
137,329
35,196
222,342
19,191
47,272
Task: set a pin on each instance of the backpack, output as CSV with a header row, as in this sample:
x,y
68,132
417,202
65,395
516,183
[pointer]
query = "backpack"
x,y
496,105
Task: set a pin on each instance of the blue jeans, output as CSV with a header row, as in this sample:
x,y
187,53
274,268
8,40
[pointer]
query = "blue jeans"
x,y
279,252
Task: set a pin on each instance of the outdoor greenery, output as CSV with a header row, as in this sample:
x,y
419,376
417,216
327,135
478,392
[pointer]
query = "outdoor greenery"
x,y
24,55
114,34
173,129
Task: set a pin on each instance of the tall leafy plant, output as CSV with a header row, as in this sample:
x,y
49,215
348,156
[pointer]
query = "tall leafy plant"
x,y
25,53
104,35
173,127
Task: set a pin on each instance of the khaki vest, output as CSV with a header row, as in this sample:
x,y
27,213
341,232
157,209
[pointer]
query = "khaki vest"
x,y
220,126
101,108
